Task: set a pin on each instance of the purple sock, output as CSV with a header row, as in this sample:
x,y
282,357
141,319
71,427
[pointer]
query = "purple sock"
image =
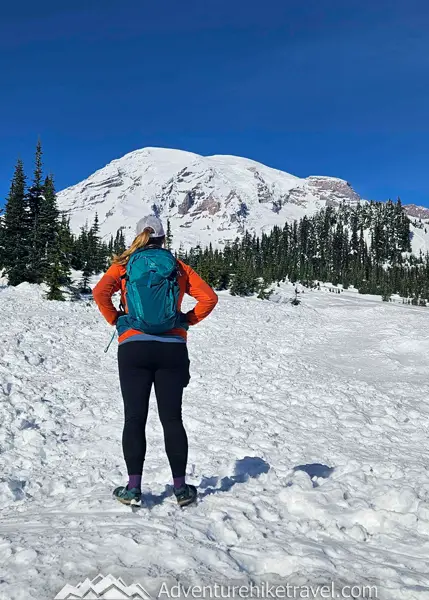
x,y
134,481
178,482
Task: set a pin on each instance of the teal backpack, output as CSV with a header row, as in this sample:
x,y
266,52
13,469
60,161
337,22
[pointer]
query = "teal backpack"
x,y
152,292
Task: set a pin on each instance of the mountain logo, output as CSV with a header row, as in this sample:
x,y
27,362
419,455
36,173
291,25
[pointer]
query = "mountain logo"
x,y
103,588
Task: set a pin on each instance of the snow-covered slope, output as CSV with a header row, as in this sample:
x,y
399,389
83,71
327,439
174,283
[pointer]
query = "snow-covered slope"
x,y
208,199
308,441
419,234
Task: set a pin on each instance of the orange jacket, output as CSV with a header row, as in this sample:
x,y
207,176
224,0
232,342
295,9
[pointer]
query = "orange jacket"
x,y
189,283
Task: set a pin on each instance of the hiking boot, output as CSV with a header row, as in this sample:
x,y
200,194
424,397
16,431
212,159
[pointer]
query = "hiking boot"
x,y
126,496
187,494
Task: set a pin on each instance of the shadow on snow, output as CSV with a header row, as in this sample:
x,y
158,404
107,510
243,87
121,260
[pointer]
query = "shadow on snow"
x,y
315,470
249,467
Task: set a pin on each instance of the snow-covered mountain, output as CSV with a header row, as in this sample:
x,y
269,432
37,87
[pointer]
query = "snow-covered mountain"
x,y
417,212
208,199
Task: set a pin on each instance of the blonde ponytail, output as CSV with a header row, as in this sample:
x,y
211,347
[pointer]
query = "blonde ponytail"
x,y
140,241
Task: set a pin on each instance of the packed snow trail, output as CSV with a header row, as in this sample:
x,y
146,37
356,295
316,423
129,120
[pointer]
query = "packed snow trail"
x,y
308,431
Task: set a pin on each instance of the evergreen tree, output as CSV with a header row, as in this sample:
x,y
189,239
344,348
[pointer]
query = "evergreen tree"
x,y
169,236
36,190
110,245
80,249
58,261
48,225
94,247
181,255
2,246
86,276
91,254
67,240
119,245
243,281
35,199
56,234
15,231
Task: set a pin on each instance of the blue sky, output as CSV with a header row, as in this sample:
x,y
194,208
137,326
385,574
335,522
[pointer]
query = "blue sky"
x,y
331,87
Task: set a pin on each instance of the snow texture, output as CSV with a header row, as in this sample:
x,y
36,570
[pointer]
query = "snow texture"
x,y
308,431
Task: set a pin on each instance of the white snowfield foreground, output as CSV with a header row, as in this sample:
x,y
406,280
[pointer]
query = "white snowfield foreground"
x,y
308,431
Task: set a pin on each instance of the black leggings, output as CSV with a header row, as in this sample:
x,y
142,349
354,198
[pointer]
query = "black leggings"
x,y
165,364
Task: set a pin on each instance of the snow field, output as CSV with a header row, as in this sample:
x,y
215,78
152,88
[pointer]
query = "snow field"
x,y
308,434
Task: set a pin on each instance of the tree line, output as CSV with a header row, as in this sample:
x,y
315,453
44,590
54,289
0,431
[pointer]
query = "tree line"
x,y
367,246
36,242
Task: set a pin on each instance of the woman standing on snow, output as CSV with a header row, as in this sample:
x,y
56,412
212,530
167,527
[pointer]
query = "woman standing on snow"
x,y
152,348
